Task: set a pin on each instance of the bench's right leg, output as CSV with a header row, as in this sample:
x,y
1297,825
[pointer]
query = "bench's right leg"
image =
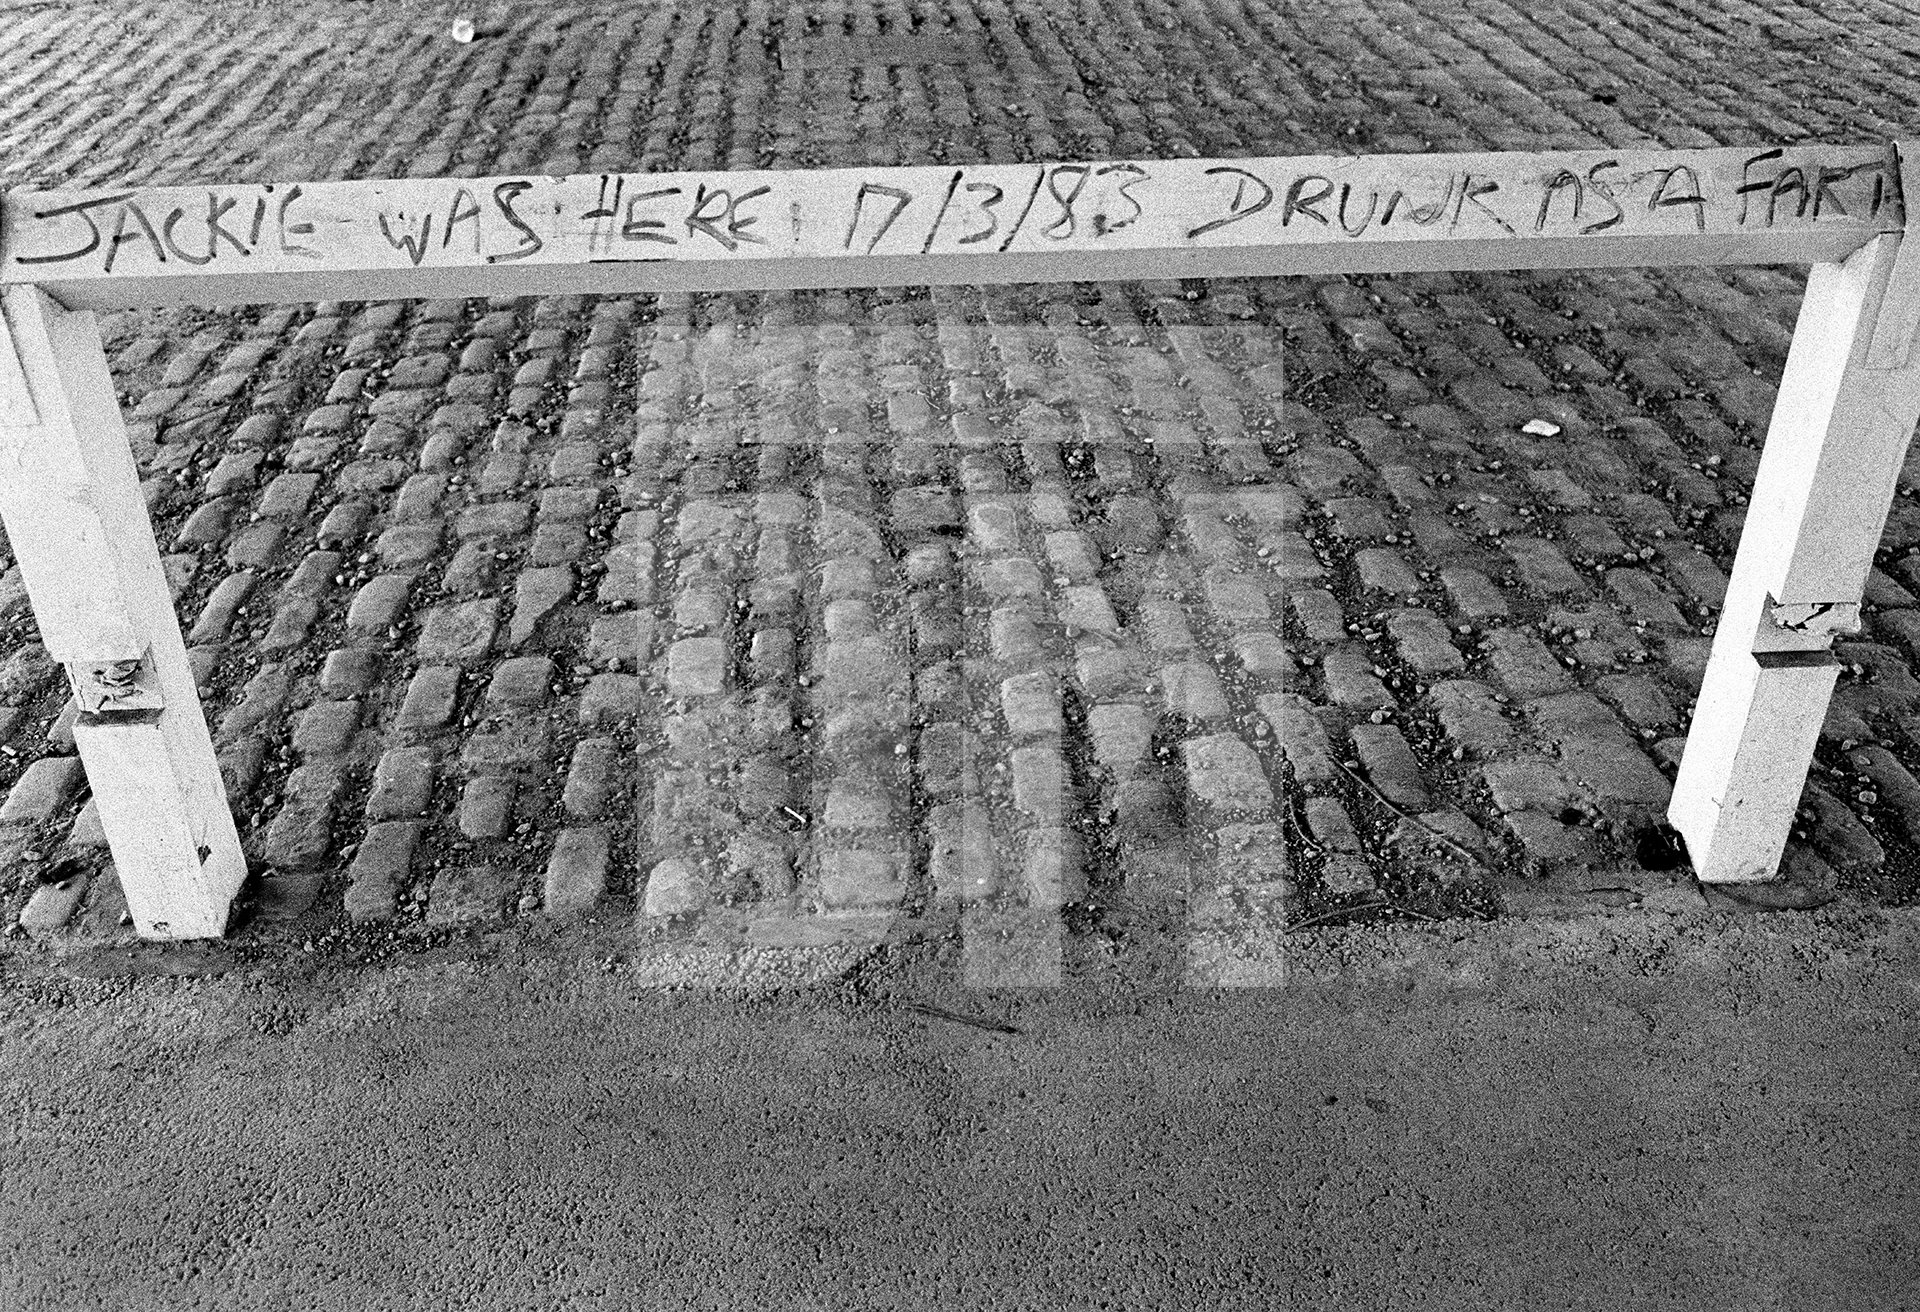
x,y
1839,433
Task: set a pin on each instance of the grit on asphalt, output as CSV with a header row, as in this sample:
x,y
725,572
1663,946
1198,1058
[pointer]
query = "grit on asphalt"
x,y
1582,1115
1044,650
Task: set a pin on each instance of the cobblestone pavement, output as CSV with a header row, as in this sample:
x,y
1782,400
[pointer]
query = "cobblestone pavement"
x,y
787,618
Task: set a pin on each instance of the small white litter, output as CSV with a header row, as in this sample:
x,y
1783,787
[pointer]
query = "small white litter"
x,y
466,31
1540,428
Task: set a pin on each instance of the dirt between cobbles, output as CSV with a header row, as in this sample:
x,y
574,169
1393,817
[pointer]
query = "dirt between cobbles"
x,y
1632,1111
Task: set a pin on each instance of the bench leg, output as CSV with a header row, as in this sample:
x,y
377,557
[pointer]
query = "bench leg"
x,y
1844,415
77,523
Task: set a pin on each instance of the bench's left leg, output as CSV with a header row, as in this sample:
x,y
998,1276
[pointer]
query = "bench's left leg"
x,y
75,518
1839,433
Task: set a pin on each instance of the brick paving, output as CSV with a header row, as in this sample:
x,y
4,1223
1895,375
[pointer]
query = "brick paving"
x,y
1065,614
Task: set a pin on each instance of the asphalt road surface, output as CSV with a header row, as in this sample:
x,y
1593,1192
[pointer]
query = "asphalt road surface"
x,y
1642,1113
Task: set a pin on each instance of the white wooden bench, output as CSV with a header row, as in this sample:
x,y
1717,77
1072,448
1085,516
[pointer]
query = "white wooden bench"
x,y
71,503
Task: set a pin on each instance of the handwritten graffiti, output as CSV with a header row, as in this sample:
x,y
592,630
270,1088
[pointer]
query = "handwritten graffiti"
x,y
973,210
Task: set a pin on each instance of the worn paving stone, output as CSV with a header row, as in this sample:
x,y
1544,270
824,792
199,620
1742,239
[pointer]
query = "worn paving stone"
x,y
42,789
402,783
675,887
379,603
486,806
462,894
696,667
51,905
379,870
458,634
576,875
854,880
301,834
590,778
1224,773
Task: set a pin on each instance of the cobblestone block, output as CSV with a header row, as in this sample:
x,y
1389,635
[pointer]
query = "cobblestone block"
x,y
236,472
1193,690
1253,854
1013,576
1528,782
347,672
1597,752
301,835
609,699
1471,716
1640,701
407,544
624,639
1031,705
325,728
1041,790
961,858
521,681
568,505
590,778
1391,766
1351,681
1473,593
42,789
675,887
463,894
314,575
379,603
1301,736
402,784
515,742
1239,600
206,526
1344,872
217,616
260,702
486,806
576,877
1696,575
696,667
1319,615
379,870
1122,736
343,525
1543,568
1424,643
1383,569
1525,665
293,619
494,520
430,698
52,905
1223,773
458,634
536,592
855,880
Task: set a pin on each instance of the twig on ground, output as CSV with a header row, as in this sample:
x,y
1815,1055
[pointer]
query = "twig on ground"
x,y
1410,818
1380,905
941,1013
1300,821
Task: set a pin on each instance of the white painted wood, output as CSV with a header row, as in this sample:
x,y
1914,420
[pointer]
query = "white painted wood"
x,y
171,891
452,237
79,526
56,530
1843,419
1838,435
